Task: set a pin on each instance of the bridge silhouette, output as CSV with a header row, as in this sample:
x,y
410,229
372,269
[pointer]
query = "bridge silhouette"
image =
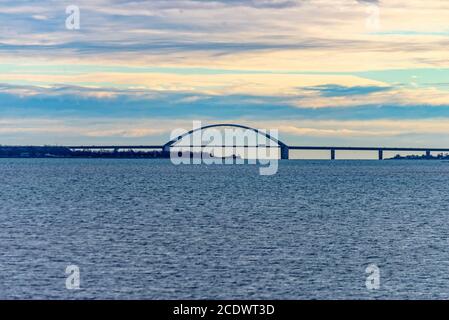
x,y
284,148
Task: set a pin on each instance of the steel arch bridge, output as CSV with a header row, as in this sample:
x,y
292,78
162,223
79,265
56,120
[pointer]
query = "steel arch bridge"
x,y
283,147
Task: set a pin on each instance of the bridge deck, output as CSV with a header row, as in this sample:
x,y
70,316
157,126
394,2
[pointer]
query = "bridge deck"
x,y
369,148
262,146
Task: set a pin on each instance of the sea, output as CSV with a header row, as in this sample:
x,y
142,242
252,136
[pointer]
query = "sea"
x,y
148,229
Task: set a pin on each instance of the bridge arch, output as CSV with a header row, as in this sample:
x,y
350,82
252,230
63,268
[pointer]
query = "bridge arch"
x,y
282,146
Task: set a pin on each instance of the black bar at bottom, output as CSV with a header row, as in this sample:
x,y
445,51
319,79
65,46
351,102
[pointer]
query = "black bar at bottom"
x,y
184,309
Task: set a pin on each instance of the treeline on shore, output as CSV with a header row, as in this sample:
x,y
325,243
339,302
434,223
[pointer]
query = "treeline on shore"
x,y
63,152
440,156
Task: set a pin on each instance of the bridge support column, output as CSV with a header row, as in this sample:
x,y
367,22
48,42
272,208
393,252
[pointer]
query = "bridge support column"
x,y
166,151
284,153
381,154
332,154
428,154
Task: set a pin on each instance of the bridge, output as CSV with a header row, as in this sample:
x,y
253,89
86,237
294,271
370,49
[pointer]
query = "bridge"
x,y
284,148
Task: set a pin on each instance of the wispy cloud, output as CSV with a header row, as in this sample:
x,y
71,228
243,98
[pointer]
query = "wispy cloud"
x,y
91,102
287,61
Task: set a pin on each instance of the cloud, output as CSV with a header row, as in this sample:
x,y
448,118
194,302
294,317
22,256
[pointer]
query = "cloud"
x,y
271,4
90,103
73,130
341,91
208,31
282,60
373,129
125,133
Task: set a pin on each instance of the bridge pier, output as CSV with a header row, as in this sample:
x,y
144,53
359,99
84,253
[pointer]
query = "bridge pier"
x,y
381,154
428,154
166,150
332,154
284,153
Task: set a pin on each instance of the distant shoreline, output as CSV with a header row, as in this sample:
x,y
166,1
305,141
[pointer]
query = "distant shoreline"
x,y
54,152
421,157
19,152
64,152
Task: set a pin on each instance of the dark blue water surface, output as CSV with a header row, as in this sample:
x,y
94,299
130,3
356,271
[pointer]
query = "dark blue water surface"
x,y
147,229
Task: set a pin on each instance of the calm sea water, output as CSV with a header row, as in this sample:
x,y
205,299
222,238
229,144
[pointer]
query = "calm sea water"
x,y
146,229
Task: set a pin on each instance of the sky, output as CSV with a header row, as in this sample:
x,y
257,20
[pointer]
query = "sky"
x,y
322,72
